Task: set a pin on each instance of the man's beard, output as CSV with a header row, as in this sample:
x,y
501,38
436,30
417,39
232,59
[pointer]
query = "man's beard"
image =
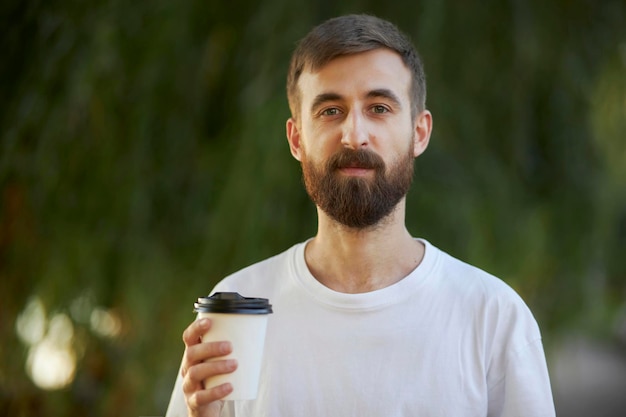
x,y
358,202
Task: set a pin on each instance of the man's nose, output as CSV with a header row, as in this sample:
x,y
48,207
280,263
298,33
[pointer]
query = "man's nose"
x,y
355,133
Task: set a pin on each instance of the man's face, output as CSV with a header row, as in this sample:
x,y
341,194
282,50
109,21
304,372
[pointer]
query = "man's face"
x,y
355,137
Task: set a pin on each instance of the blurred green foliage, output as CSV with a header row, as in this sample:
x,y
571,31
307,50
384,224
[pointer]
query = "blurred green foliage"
x,y
143,157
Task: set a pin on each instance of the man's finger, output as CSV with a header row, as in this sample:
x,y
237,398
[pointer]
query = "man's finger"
x,y
193,333
206,396
203,351
204,370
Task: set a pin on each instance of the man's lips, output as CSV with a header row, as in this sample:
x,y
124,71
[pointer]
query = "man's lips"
x,y
355,171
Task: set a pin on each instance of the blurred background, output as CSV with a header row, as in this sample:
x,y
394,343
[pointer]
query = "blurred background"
x,y
143,157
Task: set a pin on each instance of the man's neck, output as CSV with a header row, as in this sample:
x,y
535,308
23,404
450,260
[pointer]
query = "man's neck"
x,y
358,261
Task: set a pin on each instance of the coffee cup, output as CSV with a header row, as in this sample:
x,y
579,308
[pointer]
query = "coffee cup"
x,y
243,322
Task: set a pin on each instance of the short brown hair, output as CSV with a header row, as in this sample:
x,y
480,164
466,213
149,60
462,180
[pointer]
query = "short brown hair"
x,y
352,34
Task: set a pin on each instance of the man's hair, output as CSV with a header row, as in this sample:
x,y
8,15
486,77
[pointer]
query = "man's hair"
x,y
352,34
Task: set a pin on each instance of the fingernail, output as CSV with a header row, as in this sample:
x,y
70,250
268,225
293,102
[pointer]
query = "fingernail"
x,y
225,347
204,323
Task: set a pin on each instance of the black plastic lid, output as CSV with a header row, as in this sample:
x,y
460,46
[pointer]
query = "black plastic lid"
x,y
232,303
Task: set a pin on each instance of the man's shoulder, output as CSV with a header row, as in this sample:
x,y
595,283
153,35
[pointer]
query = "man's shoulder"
x,y
490,297
260,276
466,275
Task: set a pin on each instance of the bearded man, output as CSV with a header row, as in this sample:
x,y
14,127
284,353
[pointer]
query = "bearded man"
x,y
368,320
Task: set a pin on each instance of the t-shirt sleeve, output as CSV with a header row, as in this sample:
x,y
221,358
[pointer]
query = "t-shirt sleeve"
x,y
525,388
177,406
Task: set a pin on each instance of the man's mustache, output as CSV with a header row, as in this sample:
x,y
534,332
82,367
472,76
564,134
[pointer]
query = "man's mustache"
x,y
347,158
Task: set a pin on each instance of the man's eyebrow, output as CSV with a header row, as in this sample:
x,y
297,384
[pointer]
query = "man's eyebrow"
x,y
323,98
385,93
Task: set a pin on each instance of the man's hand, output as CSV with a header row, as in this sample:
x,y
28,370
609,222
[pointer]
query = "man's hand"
x,y
196,368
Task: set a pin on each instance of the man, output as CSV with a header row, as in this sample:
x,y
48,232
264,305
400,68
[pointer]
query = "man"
x,y
368,320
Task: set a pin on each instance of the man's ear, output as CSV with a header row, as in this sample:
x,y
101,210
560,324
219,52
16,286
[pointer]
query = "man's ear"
x,y
423,129
293,137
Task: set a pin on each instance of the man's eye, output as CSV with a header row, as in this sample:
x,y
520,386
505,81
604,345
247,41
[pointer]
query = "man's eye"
x,y
380,109
333,111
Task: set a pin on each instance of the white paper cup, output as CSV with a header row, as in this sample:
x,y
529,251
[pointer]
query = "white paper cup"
x,y
244,326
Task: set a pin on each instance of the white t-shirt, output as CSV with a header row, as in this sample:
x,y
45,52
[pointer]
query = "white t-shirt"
x,y
447,340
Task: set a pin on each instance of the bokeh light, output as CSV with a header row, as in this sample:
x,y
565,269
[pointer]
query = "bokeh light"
x,y
51,362
105,322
